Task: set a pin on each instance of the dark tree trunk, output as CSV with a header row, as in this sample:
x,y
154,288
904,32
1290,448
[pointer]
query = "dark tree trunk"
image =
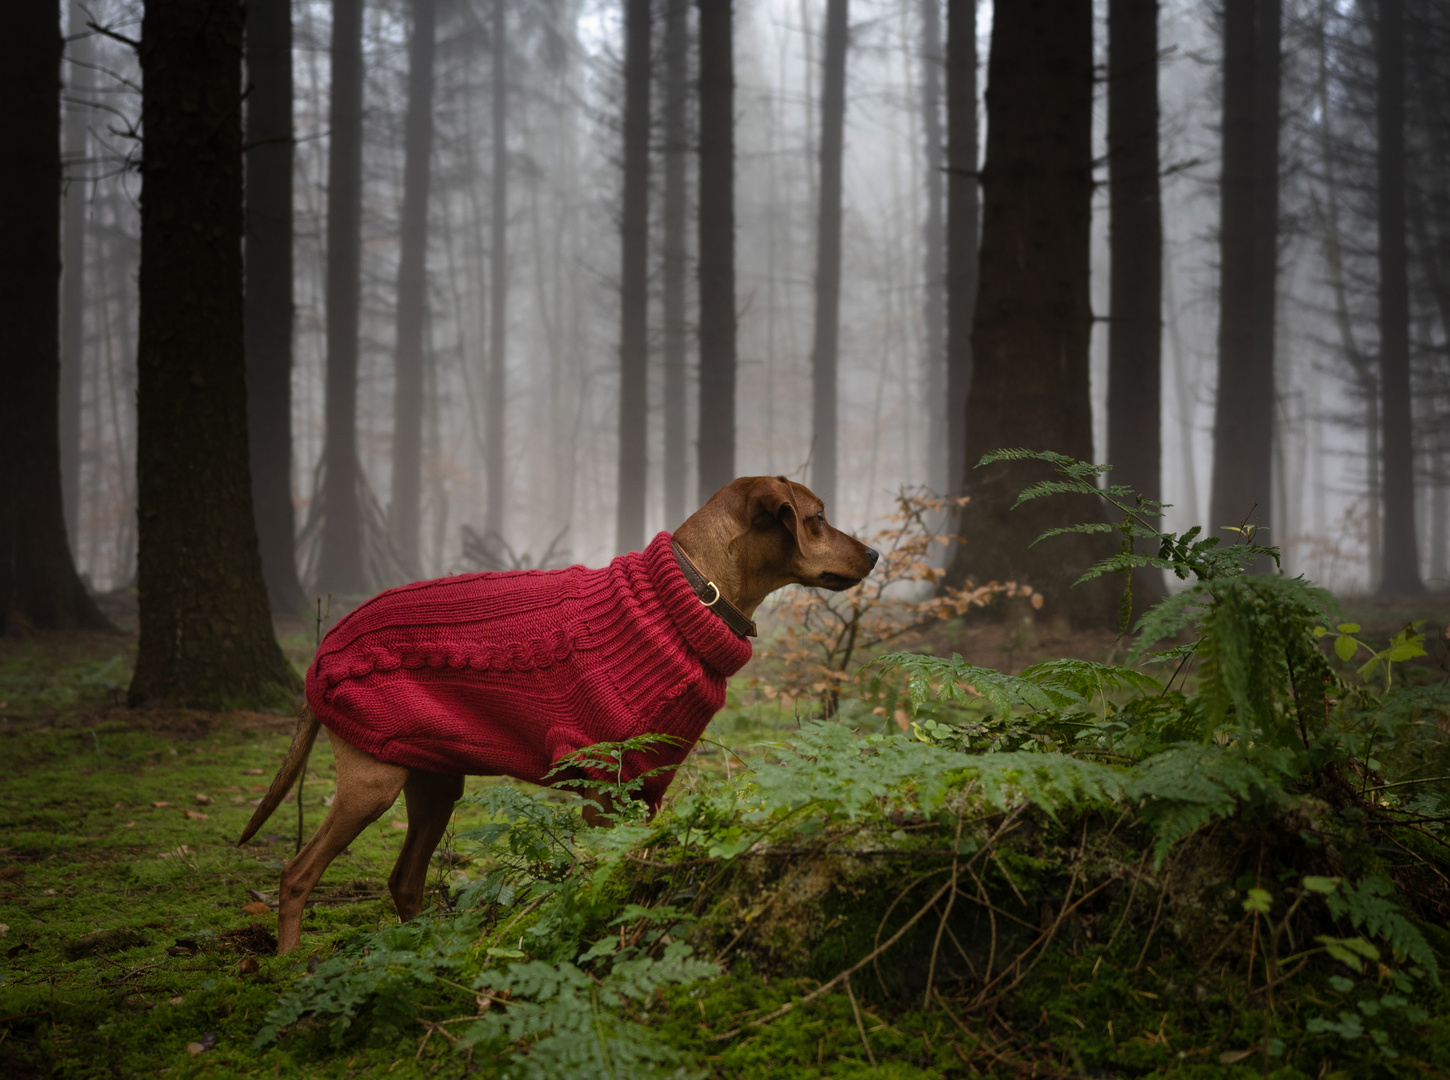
x,y
717,247
37,577
1401,569
267,305
934,245
677,65
413,293
499,269
1248,266
1033,317
73,268
824,360
340,568
962,211
206,634
1135,329
634,281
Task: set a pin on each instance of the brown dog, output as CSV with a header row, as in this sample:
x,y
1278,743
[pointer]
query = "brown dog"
x,y
754,536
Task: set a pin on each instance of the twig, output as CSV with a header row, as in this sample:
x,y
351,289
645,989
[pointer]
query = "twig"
x,y
1128,907
856,1011
122,38
1157,914
947,914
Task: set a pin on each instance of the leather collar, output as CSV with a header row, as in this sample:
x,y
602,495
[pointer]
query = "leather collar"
x,y
709,594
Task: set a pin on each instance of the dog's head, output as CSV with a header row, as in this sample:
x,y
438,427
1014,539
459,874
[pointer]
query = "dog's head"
x,y
784,538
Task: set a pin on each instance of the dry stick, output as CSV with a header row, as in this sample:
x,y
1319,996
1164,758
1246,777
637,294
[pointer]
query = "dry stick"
x,y
947,914
1128,907
856,1011
1157,914
992,921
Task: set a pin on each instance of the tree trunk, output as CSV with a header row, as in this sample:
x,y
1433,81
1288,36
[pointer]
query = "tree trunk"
x,y
1400,575
934,242
962,210
1135,329
824,358
206,634
1243,416
1033,318
413,293
634,282
267,303
73,267
717,248
677,64
37,575
495,388
341,565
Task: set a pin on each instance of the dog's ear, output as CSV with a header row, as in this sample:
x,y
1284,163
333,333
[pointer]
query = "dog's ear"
x,y
773,495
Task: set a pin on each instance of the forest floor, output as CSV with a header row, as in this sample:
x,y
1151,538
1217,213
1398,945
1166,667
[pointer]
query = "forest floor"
x,y
138,938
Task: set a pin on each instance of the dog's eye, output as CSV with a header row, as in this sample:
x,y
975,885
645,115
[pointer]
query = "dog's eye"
x,y
821,517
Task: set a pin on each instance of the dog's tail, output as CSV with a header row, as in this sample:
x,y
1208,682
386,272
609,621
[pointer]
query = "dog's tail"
x,y
297,753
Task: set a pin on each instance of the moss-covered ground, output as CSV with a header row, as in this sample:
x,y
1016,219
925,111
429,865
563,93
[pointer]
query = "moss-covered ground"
x,y
137,937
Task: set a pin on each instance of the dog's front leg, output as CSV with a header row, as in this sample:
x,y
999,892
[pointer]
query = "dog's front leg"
x,y
598,809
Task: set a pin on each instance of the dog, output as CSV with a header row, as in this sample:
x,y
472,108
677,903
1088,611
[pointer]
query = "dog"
x,y
508,673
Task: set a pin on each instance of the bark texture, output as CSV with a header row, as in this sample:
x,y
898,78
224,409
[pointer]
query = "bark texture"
x,y
37,576
677,66
1248,266
1135,328
1400,575
962,212
206,633
1030,343
340,569
717,248
826,346
406,505
268,305
634,282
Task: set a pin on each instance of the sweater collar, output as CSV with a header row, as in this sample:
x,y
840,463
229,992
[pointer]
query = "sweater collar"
x,y
714,642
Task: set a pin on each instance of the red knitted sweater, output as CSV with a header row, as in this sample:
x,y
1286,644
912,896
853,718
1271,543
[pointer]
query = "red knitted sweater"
x,y
504,674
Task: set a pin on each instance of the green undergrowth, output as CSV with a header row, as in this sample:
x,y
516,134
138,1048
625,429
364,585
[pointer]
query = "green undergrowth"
x,y
1226,858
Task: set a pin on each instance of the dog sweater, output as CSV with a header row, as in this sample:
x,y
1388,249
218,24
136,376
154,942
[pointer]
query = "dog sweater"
x,y
505,673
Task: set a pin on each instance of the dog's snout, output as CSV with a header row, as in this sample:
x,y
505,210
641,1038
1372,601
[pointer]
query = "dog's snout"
x,y
873,555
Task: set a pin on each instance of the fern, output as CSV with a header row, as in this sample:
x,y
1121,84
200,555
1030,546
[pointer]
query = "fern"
x,y
1369,907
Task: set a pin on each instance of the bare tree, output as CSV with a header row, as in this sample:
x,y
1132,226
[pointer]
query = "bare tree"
x,y
677,65
37,575
1135,328
934,244
73,265
634,281
962,211
267,305
495,383
1400,575
824,351
1033,317
206,633
413,292
1248,264
717,246
341,566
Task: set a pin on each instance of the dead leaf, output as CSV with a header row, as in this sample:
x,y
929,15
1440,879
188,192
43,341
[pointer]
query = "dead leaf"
x,y
1233,1057
399,824
258,787
129,825
4,929
253,772
203,799
160,804
49,892
256,907
176,1000
202,1045
194,815
118,806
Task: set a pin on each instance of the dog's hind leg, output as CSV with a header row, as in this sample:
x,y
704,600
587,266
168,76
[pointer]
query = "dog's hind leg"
x,y
430,799
366,787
